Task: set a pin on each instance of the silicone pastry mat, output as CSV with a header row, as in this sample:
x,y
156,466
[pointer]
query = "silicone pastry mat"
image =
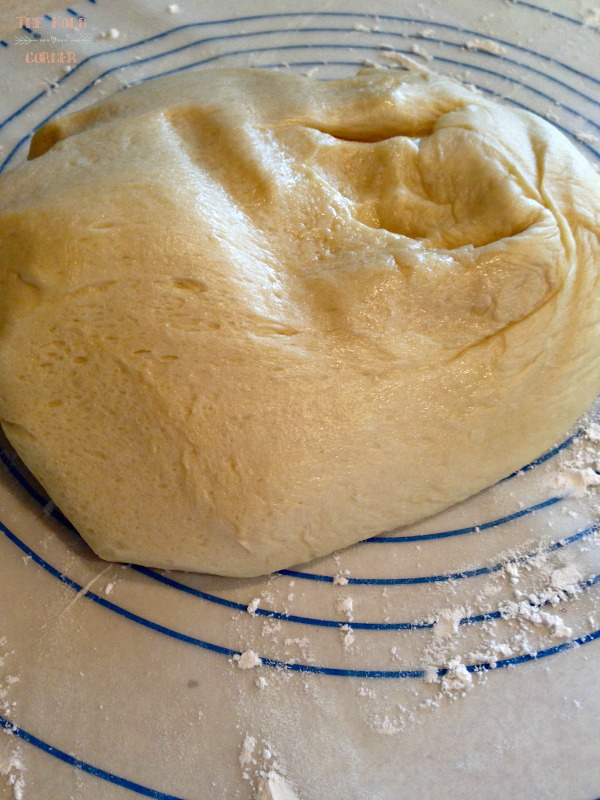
x,y
455,658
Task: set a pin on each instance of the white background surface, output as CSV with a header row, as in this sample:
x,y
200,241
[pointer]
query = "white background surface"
x,y
105,670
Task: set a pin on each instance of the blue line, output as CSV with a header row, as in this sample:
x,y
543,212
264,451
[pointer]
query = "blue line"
x,y
25,736
551,651
287,15
152,574
484,526
528,67
74,13
48,17
262,612
201,643
552,13
67,581
25,28
455,45
550,454
156,576
276,663
556,125
445,577
328,623
346,15
3,43
57,514
55,752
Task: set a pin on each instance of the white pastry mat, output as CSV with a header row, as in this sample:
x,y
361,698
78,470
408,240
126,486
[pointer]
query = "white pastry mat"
x,y
118,681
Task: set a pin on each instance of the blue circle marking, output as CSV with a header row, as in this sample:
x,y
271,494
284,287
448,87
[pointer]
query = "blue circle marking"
x,y
546,456
13,729
445,577
291,666
191,640
551,13
330,623
159,577
483,526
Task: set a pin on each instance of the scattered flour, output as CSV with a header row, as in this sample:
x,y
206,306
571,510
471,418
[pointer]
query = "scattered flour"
x,y
388,725
566,579
587,138
345,606
591,17
7,705
11,768
348,637
486,46
13,772
447,622
340,579
592,430
426,33
577,481
274,786
420,51
247,660
579,474
526,612
253,605
457,680
247,751
402,60
263,772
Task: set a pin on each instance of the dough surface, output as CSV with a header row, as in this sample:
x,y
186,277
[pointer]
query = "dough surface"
x,y
248,318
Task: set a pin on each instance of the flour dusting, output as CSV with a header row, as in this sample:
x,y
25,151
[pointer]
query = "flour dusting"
x,y
591,17
486,46
247,660
13,772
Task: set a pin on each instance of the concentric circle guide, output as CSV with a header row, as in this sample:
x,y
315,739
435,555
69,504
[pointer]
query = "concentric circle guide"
x,y
418,625
486,70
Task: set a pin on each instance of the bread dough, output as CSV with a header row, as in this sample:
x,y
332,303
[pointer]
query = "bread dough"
x,y
248,318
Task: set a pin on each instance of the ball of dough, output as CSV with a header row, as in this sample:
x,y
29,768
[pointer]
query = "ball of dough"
x,y
248,318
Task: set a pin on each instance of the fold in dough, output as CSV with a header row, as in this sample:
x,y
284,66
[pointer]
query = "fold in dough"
x,y
248,318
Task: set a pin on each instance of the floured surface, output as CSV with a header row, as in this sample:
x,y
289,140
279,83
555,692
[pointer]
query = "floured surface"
x,y
151,706
386,689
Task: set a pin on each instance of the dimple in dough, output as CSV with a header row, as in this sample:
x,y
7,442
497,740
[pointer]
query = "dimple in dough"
x,y
248,318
